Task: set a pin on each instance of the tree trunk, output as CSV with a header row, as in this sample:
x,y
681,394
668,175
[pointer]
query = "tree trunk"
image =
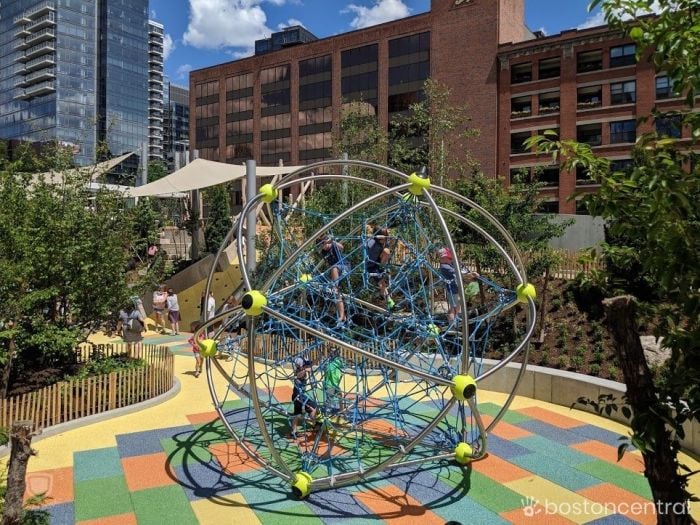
x,y
21,450
543,302
482,294
661,464
7,370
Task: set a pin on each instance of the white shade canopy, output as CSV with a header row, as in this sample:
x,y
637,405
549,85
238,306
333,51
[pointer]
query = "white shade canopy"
x,y
201,173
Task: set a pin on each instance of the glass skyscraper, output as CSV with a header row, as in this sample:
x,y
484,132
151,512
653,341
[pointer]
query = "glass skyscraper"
x,y
75,71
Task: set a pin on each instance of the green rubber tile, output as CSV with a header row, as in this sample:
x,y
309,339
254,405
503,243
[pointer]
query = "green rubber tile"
x,y
563,475
553,450
483,490
185,452
163,505
299,513
492,409
234,404
619,476
97,463
98,498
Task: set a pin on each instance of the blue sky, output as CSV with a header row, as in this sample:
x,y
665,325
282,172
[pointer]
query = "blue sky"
x,y
201,33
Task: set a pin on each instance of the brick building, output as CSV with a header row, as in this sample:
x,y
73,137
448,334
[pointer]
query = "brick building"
x,y
281,105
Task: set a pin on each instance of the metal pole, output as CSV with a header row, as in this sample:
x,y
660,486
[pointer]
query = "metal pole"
x,y
144,165
251,192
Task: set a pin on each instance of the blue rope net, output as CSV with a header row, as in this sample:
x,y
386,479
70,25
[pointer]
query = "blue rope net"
x,y
351,412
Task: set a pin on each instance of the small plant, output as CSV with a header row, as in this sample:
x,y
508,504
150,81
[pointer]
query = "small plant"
x,y
598,347
578,335
598,357
594,369
581,350
613,372
597,333
555,304
577,362
544,358
563,362
561,342
563,330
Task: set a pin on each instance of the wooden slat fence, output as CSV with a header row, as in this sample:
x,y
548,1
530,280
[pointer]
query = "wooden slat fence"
x,y
69,400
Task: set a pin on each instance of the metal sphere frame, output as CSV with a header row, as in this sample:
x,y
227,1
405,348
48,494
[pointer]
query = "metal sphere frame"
x,y
276,463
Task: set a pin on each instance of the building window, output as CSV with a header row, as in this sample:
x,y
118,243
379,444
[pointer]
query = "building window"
x,y
624,165
521,73
591,134
583,178
582,207
548,175
623,55
589,61
548,207
664,88
669,126
517,142
359,76
549,102
623,131
520,107
589,97
549,68
623,92
521,174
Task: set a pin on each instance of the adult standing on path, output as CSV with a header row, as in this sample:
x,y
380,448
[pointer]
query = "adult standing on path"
x,y
160,299
173,312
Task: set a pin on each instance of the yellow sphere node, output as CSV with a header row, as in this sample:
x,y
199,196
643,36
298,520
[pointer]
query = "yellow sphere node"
x,y
433,330
525,291
463,453
253,303
305,277
417,184
268,192
463,387
207,347
301,486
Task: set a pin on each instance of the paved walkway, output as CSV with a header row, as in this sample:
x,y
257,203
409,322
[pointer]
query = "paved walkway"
x,y
172,464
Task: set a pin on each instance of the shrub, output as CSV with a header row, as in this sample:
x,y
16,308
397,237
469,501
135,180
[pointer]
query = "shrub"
x,y
613,372
594,369
578,335
106,365
581,350
555,304
544,358
563,362
577,362
598,357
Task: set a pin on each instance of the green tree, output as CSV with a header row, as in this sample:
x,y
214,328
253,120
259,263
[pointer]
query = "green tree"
x,y
653,214
219,221
63,263
156,170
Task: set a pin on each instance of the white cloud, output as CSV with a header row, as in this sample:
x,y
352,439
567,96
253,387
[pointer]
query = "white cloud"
x,y
598,19
183,71
289,23
168,46
382,11
226,23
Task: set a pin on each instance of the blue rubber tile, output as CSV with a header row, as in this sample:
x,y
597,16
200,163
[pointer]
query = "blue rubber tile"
x,y
613,519
556,434
148,442
554,450
506,449
264,492
451,504
600,434
96,464
555,471
338,507
62,514
201,481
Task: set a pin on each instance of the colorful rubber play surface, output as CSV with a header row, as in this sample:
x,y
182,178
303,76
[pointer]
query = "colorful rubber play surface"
x,y
173,463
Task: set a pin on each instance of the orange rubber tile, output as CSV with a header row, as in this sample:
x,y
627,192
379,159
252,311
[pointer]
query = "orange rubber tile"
x,y
282,393
392,505
382,427
232,458
542,414
622,501
203,417
499,469
55,484
368,402
147,471
534,514
120,519
629,461
505,430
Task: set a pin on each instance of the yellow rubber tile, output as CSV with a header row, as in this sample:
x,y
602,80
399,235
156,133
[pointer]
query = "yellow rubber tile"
x,y
223,510
557,500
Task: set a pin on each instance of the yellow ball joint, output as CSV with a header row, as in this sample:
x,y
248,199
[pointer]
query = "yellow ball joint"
x,y
525,291
305,277
268,192
417,184
253,303
463,387
301,486
207,347
463,453
433,330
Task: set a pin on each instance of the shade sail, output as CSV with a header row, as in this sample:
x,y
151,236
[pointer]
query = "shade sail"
x,y
201,173
93,171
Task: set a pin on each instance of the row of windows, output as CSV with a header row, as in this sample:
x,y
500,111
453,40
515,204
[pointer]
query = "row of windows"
x,y
315,91
357,83
585,61
283,120
314,66
239,105
409,44
246,80
274,74
241,127
315,116
207,111
275,145
275,98
207,89
359,55
315,141
409,73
